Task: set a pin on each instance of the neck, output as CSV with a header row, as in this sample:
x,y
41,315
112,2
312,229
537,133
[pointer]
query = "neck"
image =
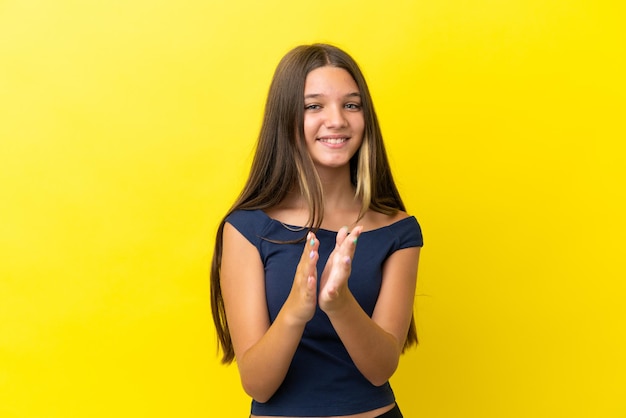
x,y
337,188
340,206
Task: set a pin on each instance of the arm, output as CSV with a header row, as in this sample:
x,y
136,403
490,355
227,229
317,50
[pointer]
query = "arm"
x,y
375,343
263,351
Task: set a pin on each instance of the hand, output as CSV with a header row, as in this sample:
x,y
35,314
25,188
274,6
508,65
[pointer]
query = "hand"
x,y
334,280
302,299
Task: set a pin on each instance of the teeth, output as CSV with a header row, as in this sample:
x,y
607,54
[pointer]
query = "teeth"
x,y
333,140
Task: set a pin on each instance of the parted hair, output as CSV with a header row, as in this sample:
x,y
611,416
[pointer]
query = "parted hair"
x,y
281,163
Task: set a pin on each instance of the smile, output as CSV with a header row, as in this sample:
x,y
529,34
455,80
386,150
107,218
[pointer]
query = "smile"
x,y
333,141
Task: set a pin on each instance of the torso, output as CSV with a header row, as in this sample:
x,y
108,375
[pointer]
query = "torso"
x,y
334,221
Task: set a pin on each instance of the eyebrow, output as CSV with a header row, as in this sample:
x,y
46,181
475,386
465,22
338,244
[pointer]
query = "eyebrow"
x,y
316,95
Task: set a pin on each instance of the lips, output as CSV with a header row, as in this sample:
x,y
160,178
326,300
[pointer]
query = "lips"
x,y
333,140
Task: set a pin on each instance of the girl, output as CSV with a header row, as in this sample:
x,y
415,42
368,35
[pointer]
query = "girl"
x,y
316,322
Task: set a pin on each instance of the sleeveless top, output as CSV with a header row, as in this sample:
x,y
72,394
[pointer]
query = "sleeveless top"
x,y
322,379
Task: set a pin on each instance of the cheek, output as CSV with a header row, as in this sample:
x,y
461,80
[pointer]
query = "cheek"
x,y
359,124
311,127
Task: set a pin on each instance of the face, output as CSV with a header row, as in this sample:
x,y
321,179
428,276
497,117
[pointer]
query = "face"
x,y
333,117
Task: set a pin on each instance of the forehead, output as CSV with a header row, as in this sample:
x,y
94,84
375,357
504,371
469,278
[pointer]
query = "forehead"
x,y
329,80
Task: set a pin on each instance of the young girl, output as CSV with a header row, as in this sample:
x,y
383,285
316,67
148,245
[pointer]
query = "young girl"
x,y
316,322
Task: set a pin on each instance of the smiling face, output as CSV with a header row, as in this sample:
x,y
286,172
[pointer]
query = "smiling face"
x,y
333,117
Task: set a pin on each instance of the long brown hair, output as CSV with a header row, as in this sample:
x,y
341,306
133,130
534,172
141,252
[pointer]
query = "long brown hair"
x,y
282,162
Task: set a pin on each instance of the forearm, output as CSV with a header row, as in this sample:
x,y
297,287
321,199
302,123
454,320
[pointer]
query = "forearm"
x,y
263,366
374,351
264,349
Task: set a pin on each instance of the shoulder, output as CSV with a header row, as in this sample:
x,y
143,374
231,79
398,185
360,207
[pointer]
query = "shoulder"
x,y
375,220
246,218
259,227
249,223
401,227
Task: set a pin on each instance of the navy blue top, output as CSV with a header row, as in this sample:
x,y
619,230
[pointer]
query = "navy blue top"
x,y
322,379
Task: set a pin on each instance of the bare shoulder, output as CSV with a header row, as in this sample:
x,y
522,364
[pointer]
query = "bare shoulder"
x,y
375,220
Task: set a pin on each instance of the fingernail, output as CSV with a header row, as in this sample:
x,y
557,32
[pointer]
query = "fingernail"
x,y
355,240
312,254
346,260
312,242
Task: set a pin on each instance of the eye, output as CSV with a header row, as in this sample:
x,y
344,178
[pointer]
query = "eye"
x,y
353,106
312,107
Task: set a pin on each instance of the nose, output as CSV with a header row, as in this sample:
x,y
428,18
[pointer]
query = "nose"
x,y
335,117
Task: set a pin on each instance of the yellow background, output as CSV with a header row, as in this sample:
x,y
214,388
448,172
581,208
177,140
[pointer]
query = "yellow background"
x,y
126,130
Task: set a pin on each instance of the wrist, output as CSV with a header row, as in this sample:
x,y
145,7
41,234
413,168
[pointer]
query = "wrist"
x,y
291,318
337,303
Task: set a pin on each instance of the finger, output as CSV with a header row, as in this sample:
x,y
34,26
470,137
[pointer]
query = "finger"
x,y
338,276
310,246
344,262
310,255
341,236
342,265
349,243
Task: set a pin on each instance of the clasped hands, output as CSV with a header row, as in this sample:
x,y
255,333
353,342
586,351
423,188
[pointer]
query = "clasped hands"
x,y
333,289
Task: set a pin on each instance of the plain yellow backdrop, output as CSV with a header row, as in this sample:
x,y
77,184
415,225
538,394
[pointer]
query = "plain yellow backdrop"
x,y
126,131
